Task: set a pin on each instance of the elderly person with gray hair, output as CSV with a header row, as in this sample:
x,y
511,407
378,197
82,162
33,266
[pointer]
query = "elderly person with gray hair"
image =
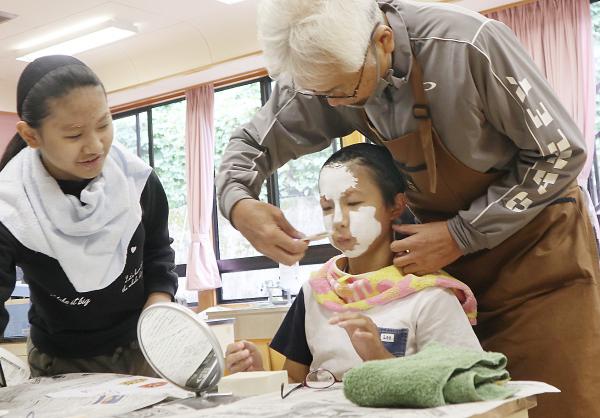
x,y
490,154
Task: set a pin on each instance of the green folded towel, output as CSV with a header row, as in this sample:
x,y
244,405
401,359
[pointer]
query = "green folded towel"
x,y
436,376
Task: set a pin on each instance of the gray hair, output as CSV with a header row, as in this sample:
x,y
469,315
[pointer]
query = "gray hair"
x,y
306,38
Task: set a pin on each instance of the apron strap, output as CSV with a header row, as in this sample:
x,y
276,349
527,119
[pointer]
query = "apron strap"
x,y
422,113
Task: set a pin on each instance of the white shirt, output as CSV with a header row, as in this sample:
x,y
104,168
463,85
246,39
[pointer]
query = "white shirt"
x,y
406,325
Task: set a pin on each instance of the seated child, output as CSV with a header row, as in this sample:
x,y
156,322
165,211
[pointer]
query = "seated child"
x,y
358,306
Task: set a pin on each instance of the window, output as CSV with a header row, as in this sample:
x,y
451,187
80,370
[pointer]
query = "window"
x,y
594,179
233,107
299,194
157,135
245,273
132,131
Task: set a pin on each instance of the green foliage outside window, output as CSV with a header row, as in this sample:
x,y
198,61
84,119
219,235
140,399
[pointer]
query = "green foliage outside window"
x,y
595,8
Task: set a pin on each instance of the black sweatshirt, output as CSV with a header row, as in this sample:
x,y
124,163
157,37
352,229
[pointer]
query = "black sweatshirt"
x,y
65,323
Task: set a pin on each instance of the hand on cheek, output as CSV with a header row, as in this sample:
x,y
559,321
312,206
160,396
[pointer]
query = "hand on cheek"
x,y
364,335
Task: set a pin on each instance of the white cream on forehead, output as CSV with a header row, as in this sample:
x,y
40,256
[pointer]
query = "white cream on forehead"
x,y
335,180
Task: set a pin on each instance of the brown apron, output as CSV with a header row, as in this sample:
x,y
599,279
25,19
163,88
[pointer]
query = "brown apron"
x,y
537,292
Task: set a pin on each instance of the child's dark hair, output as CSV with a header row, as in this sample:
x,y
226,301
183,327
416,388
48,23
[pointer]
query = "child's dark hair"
x,y
381,163
45,78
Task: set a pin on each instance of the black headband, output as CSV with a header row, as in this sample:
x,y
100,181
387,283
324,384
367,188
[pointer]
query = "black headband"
x,y
36,70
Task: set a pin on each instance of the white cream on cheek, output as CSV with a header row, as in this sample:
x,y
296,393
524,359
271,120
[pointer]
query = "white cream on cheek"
x,y
334,181
365,228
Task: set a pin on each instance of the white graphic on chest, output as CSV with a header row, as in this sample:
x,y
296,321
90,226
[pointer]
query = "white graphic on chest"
x,y
133,250
78,301
132,278
387,338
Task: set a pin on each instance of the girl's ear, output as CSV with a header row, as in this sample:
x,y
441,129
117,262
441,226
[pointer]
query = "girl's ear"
x,y
29,135
399,205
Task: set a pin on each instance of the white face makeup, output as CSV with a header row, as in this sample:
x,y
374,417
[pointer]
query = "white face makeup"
x,y
365,228
334,182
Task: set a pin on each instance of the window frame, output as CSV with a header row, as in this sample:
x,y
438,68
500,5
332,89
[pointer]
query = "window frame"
x,y
593,180
316,254
180,269
150,130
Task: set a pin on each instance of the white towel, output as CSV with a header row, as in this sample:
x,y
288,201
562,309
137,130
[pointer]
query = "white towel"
x,y
89,241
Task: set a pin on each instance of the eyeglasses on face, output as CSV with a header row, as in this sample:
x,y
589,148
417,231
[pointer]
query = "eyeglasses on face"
x,y
316,379
306,92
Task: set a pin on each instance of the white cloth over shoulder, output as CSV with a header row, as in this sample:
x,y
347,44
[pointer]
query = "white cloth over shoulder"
x,y
89,237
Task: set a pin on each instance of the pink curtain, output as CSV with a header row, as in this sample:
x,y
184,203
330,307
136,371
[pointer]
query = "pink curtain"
x,y
558,35
202,271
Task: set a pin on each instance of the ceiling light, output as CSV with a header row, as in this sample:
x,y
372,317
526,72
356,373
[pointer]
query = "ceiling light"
x,y
230,1
108,33
61,34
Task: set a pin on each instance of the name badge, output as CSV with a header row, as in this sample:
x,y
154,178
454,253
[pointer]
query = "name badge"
x,y
394,340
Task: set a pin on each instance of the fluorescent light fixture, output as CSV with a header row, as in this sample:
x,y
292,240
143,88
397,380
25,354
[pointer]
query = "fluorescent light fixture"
x,y
100,37
230,1
80,27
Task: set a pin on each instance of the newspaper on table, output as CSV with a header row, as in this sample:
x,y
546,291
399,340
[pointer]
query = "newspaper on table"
x,y
15,370
160,411
331,402
84,395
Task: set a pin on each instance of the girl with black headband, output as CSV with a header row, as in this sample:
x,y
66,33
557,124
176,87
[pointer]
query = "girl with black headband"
x,y
86,221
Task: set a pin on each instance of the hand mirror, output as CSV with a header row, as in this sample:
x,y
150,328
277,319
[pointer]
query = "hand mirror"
x,y
180,347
